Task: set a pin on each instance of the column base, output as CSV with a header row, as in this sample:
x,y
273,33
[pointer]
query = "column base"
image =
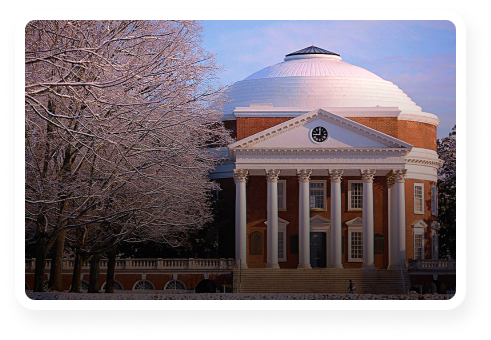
x,y
273,266
243,266
337,266
304,266
394,267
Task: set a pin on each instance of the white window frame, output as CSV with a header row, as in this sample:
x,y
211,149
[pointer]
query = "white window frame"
x,y
325,198
355,225
422,186
419,231
350,244
419,255
350,208
282,231
282,202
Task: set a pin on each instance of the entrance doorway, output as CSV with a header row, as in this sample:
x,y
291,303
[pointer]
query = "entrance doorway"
x,y
318,250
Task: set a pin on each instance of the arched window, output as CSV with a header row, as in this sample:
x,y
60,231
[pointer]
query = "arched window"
x,y
175,285
143,285
117,285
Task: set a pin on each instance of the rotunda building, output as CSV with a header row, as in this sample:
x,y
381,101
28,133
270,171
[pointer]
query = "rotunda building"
x,y
333,167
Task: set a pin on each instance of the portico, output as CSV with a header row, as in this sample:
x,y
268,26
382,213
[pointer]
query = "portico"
x,y
350,150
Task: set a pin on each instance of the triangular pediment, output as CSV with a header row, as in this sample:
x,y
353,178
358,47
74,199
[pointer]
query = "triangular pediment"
x,y
317,219
280,222
297,133
419,224
355,222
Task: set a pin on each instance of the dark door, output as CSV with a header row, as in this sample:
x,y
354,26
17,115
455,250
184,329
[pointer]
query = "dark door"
x,y
318,250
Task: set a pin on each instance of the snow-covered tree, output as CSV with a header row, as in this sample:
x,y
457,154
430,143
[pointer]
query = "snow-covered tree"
x,y
119,115
447,194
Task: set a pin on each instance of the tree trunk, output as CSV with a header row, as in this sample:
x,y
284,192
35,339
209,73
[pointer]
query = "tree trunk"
x,y
111,266
41,250
77,272
55,279
94,274
40,263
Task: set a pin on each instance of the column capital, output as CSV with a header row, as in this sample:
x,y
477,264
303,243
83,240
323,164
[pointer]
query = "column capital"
x,y
367,175
240,175
390,179
304,175
399,175
335,175
272,174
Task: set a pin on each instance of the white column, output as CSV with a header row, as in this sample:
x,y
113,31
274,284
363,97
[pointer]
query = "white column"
x,y
400,208
240,177
435,227
272,228
336,236
304,218
393,233
367,176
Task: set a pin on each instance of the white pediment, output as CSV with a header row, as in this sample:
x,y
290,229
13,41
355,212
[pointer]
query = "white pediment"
x,y
419,224
357,221
343,133
280,222
317,219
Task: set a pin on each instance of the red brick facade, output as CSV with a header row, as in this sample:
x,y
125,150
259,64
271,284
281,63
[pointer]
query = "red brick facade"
x,y
159,280
402,129
420,135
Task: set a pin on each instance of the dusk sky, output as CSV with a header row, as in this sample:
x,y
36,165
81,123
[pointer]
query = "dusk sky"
x,y
416,50
417,56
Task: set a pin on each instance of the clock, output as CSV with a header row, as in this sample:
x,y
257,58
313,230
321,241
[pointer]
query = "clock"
x,y
319,134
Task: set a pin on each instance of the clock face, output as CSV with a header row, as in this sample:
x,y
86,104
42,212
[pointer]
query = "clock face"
x,y
319,134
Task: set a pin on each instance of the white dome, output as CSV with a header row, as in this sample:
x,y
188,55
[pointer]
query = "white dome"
x,y
314,80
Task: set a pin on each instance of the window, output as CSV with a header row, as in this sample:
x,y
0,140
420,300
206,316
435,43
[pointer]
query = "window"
x,y
175,285
281,195
143,285
281,239
418,198
318,195
434,200
419,227
356,246
282,243
355,195
355,240
418,247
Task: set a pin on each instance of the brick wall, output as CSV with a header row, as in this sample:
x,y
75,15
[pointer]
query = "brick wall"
x,y
411,217
420,135
247,126
159,280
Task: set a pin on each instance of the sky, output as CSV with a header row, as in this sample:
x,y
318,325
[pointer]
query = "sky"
x,y
418,56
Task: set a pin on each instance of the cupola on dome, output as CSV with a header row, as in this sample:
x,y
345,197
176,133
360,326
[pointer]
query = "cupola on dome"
x,y
313,78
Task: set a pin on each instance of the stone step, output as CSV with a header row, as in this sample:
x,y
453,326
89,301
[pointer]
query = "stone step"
x,y
326,280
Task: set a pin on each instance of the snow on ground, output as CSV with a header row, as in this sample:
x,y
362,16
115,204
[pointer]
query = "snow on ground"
x,y
233,296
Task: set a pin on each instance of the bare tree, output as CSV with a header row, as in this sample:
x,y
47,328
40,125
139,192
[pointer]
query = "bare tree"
x,y
119,119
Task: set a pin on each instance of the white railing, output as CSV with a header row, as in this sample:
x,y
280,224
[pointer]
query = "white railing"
x,y
148,264
447,264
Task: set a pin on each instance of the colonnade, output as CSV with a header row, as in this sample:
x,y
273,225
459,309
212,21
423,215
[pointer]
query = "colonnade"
x,y
397,220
